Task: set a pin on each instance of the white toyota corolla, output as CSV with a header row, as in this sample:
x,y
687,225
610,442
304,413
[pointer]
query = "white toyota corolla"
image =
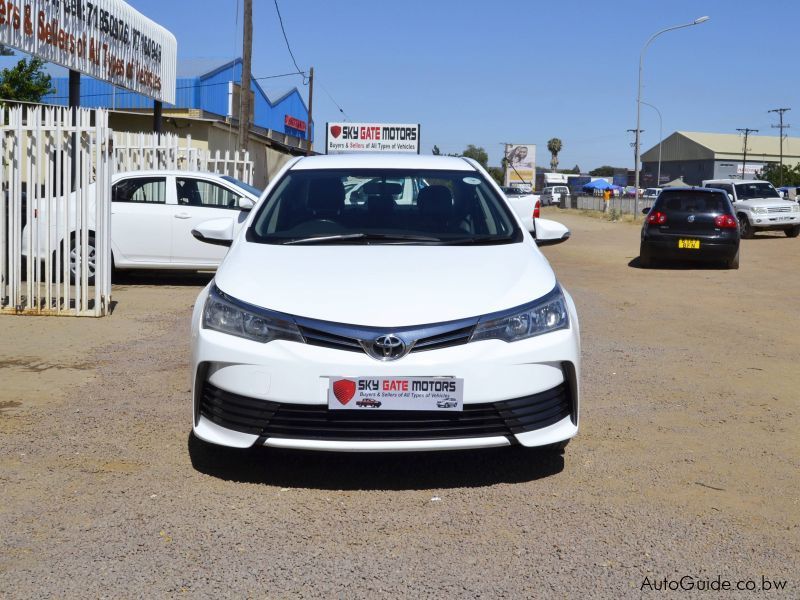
x,y
419,316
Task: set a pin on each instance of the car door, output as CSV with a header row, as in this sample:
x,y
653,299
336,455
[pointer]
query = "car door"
x,y
199,200
141,221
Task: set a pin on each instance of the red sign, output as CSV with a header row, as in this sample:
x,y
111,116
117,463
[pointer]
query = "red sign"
x,y
294,123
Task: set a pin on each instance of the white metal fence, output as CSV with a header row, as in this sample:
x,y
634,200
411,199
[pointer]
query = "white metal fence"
x,y
136,151
55,211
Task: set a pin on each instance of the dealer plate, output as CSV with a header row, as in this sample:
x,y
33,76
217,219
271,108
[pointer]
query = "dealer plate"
x,y
689,244
444,394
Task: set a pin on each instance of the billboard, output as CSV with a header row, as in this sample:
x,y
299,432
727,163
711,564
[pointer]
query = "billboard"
x,y
520,164
372,137
105,39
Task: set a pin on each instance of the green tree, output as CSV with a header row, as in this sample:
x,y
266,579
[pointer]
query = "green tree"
x,y
554,146
477,153
772,173
604,171
26,82
498,174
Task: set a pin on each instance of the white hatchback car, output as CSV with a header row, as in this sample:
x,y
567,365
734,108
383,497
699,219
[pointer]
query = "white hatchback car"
x,y
427,322
153,214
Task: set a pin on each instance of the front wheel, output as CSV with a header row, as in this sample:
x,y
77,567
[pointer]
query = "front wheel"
x,y
745,229
792,231
74,258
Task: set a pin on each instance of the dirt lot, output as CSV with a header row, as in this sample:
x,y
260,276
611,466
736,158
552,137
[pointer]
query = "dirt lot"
x,y
686,463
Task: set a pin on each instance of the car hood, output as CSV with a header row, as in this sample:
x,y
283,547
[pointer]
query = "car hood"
x,y
751,202
385,285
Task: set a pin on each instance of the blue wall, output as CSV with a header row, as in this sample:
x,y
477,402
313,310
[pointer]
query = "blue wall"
x,y
208,92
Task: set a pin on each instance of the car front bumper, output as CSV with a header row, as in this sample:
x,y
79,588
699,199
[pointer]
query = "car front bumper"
x,y
247,393
774,222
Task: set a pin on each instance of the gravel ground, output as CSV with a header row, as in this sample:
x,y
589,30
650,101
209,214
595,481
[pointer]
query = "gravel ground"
x,y
686,463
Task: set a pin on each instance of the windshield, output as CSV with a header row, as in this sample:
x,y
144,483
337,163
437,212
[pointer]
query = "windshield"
x,y
745,191
241,184
396,206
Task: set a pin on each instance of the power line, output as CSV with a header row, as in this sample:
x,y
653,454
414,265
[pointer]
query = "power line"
x,y
341,110
781,126
286,39
746,131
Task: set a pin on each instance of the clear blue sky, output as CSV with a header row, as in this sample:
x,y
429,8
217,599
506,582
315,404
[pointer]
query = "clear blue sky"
x,y
519,71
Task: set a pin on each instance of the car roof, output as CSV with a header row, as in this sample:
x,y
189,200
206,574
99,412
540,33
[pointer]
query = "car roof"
x,y
168,172
735,181
367,160
694,188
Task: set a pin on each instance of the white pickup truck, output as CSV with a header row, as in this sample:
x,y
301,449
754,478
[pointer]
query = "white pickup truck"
x,y
759,206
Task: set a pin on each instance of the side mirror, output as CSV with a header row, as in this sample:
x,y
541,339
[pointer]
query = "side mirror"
x,y
645,210
549,232
216,231
246,203
730,196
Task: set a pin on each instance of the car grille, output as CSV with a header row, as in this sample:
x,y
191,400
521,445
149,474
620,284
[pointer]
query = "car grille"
x,y
336,341
316,422
779,209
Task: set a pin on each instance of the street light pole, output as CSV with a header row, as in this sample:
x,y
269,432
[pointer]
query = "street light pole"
x,y
660,139
639,96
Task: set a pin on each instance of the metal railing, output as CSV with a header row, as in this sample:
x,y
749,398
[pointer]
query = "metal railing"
x,y
55,185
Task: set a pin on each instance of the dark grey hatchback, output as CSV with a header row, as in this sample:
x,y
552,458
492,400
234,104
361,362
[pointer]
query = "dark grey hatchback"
x,y
690,224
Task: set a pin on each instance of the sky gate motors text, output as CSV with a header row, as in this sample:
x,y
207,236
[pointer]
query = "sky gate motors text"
x,y
402,385
379,133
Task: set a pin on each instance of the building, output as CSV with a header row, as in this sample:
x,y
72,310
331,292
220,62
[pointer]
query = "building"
x,y
697,156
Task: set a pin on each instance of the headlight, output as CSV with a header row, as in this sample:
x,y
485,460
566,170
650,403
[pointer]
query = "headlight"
x,y
760,210
224,314
796,208
542,316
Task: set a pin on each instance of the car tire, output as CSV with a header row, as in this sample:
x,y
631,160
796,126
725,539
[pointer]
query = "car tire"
x,y
792,231
645,260
734,262
73,258
745,229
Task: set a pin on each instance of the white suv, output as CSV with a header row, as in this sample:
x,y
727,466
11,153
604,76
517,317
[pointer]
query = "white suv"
x,y
555,195
759,206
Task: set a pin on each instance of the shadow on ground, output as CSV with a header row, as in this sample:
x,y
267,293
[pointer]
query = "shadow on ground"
x,y
678,265
174,278
375,471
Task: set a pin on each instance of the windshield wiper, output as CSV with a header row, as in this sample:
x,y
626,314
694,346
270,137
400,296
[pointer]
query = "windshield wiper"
x,y
364,237
477,239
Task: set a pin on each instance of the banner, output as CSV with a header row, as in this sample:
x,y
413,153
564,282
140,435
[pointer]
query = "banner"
x,y
105,39
371,137
520,164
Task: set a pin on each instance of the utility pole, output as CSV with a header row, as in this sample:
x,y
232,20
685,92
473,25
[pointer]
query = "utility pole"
x,y
635,144
310,141
244,90
746,132
780,112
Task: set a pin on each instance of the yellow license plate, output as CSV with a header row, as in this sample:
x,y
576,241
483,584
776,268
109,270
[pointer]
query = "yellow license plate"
x,y
689,244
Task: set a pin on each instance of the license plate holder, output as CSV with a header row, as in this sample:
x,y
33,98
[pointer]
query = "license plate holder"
x,y
438,394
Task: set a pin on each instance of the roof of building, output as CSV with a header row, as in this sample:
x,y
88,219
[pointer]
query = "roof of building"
x,y
695,145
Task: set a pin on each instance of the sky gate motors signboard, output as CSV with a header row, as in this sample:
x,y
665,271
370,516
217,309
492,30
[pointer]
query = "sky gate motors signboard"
x,y
106,39
371,137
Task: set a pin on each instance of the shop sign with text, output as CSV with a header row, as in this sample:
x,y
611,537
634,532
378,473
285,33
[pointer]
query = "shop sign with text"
x,y
105,39
372,137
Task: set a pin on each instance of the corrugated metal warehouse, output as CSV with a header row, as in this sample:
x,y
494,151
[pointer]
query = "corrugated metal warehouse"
x,y
697,156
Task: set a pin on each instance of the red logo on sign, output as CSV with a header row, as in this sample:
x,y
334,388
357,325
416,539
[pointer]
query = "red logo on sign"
x,y
336,131
344,390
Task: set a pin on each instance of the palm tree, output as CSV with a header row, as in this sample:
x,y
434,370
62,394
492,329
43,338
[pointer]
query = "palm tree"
x,y
554,145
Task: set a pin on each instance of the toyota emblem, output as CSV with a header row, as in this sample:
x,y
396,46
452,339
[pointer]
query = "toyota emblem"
x,y
386,347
